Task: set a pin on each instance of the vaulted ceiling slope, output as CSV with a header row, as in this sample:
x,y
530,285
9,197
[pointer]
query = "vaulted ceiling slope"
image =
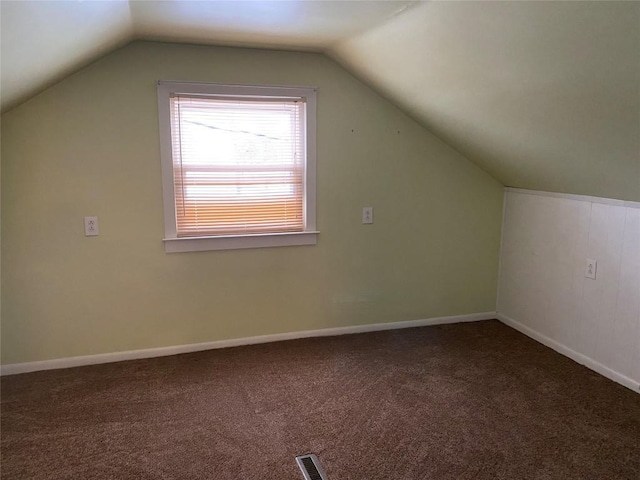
x,y
44,41
542,95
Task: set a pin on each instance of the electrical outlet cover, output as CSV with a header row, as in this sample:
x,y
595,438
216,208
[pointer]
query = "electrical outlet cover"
x,y
91,228
367,215
590,269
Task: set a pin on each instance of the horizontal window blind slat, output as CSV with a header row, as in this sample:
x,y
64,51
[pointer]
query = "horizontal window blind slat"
x,y
231,231
249,214
199,99
261,168
211,182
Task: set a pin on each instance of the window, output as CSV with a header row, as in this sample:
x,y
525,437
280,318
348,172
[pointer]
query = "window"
x,y
238,165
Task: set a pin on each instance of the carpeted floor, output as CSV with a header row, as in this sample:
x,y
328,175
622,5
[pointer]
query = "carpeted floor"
x,y
466,401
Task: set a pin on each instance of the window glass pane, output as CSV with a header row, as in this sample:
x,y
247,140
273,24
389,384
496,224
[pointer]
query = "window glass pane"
x,y
238,165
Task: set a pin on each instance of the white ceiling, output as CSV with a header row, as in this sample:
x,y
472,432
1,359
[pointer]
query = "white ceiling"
x,y
542,95
43,41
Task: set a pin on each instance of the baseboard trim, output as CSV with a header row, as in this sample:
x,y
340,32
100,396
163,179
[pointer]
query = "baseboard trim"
x,y
572,354
16,368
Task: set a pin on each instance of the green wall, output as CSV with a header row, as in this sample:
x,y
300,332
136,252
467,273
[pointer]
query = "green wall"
x,y
89,146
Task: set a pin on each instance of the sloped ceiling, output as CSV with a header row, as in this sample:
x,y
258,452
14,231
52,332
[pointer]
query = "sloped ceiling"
x,y
542,95
44,41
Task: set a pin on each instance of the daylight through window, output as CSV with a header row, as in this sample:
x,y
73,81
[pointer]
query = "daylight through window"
x,y
238,165
239,161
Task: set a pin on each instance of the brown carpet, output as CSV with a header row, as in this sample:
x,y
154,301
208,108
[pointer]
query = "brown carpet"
x,y
467,401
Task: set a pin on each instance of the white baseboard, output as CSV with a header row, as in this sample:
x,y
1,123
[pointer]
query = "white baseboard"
x,y
16,368
572,354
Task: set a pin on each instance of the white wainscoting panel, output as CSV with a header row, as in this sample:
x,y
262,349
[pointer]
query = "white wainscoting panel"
x,y
546,241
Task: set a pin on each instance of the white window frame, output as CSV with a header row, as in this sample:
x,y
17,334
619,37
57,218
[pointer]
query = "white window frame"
x,y
173,243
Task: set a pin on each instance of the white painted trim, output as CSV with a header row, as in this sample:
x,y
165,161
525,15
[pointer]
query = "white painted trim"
x,y
16,368
234,242
572,354
580,198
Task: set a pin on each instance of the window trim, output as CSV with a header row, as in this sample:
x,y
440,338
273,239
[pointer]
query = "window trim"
x,y
172,242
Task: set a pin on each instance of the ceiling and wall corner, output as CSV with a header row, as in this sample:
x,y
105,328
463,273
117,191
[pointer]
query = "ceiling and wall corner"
x,y
541,95
291,25
45,41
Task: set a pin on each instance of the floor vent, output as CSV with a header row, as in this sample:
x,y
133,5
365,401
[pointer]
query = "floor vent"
x,y
310,467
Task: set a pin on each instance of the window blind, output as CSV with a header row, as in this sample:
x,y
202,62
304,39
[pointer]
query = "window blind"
x,y
238,164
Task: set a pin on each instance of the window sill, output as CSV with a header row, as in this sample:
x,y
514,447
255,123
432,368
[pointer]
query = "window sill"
x,y
233,242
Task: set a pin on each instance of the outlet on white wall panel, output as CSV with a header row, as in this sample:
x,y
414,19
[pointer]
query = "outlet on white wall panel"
x,y
590,269
91,227
544,290
367,215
